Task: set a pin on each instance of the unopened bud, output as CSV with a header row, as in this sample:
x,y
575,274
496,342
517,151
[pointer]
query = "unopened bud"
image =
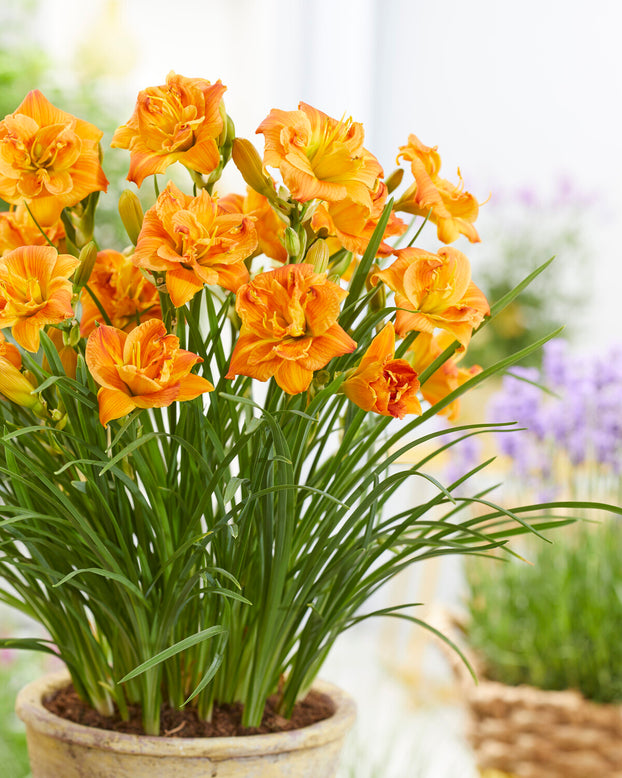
x,y
378,301
229,132
74,336
131,213
394,180
318,256
87,257
79,220
322,377
223,115
248,162
62,422
291,241
20,388
31,378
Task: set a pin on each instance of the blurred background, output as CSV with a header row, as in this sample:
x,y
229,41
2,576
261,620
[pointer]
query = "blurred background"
x,y
525,98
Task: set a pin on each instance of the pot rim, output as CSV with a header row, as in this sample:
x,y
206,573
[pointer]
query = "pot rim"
x,y
30,709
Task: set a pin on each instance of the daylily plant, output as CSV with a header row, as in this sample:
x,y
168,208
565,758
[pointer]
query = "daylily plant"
x,y
199,427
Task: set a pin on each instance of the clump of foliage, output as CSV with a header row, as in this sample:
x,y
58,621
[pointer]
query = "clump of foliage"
x,y
554,624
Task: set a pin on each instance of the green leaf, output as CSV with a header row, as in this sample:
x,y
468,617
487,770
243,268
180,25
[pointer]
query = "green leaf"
x,y
104,574
357,283
499,305
209,674
30,644
182,645
232,486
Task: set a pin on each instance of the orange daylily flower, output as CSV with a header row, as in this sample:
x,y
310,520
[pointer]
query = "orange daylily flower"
x,y
451,208
319,156
48,158
353,224
34,291
180,121
13,383
270,229
449,376
289,327
142,369
381,383
18,229
434,290
123,292
196,241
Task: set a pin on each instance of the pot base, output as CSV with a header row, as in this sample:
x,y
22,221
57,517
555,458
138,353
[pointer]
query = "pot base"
x,y
58,747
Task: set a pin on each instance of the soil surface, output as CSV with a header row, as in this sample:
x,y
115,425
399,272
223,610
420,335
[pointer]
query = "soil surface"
x,y
226,719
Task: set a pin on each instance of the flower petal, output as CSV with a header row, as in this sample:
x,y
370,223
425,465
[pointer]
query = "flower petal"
x,y
104,355
192,386
113,404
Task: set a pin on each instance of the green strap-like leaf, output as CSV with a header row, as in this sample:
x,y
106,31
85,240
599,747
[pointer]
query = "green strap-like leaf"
x,y
182,645
104,574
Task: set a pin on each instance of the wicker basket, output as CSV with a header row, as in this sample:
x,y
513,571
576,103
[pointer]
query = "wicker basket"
x,y
524,732
532,733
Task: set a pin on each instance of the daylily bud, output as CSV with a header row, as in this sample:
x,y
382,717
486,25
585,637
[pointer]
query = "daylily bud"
x,y
378,301
394,180
61,422
318,256
17,387
308,210
87,257
248,162
223,115
74,336
291,241
322,377
229,132
83,219
131,212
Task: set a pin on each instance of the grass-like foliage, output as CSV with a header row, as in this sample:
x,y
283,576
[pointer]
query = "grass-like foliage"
x,y
199,435
554,624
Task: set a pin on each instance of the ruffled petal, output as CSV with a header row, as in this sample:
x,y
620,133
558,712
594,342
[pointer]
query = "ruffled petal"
x,y
104,354
113,404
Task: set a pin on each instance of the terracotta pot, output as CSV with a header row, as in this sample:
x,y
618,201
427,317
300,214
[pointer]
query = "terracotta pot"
x,y
58,748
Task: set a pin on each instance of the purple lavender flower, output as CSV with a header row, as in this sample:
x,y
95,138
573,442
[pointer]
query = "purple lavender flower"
x,y
555,363
580,420
465,455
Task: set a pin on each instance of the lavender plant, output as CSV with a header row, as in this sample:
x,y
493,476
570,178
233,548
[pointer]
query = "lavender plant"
x,y
571,439
554,624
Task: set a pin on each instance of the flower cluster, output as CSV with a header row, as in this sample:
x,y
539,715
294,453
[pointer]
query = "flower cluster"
x,y
207,415
316,226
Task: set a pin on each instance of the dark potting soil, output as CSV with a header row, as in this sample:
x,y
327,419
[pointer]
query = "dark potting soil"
x,y
226,719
